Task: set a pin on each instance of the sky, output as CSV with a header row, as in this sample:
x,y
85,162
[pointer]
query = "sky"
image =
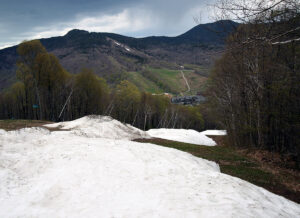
x,y
31,19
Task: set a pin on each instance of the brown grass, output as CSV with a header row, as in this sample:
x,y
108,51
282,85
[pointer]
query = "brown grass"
x,y
9,125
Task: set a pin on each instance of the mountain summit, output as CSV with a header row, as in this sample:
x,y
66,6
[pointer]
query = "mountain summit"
x,y
110,55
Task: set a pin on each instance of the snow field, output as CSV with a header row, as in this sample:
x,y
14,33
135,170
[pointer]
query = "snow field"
x,y
214,132
100,126
85,172
182,135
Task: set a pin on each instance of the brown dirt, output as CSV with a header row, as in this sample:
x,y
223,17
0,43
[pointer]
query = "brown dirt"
x,y
9,125
281,166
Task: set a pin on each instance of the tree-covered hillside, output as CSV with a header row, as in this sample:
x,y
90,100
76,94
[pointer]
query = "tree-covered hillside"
x,y
255,85
112,56
46,91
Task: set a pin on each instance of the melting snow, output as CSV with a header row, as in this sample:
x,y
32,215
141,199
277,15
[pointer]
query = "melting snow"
x,y
101,127
183,135
121,45
214,132
90,171
117,43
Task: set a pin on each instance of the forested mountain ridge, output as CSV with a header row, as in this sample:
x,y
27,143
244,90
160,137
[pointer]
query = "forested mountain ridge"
x,y
112,56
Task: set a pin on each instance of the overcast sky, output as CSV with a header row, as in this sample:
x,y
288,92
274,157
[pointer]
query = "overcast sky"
x,y
29,19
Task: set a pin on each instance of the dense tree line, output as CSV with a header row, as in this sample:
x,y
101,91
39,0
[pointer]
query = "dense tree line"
x,y
255,86
46,91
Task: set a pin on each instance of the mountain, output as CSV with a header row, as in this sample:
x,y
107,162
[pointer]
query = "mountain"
x,y
116,57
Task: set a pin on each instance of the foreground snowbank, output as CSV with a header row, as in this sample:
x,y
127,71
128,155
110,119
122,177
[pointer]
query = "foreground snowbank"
x,y
186,135
63,174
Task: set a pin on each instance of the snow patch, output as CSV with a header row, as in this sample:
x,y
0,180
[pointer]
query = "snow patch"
x,y
214,132
100,127
182,135
117,43
99,174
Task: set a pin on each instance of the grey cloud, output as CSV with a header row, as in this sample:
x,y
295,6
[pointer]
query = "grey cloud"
x,y
21,20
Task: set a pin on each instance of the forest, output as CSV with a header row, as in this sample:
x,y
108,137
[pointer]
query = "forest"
x,y
255,85
46,91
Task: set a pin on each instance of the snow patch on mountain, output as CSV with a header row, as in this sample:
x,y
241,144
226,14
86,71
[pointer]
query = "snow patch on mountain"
x,y
119,44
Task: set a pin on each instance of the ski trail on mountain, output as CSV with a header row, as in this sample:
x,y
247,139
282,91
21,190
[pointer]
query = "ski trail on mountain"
x,y
186,82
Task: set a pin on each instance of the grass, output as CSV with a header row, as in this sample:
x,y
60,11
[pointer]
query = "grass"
x,y
196,81
173,78
198,69
170,74
167,80
143,83
234,163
